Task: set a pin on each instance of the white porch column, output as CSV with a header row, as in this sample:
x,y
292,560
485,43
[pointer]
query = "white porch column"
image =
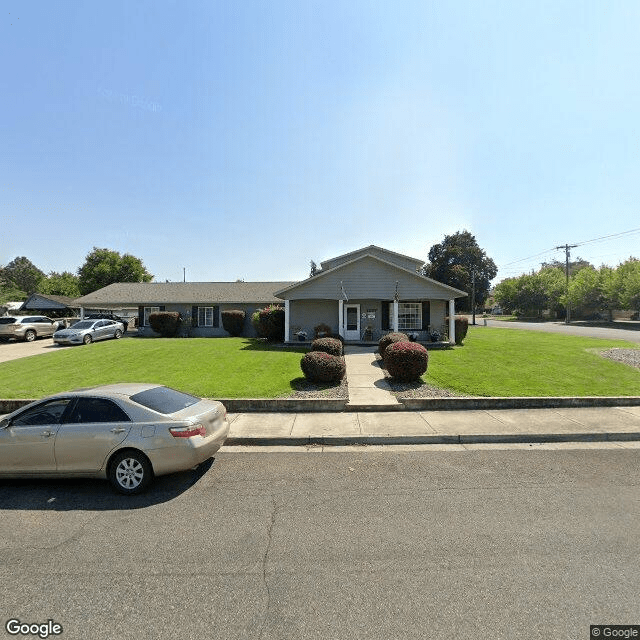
x,y
452,321
81,313
287,317
395,316
341,317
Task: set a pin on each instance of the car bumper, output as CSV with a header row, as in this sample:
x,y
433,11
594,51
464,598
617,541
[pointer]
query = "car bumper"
x,y
67,341
188,453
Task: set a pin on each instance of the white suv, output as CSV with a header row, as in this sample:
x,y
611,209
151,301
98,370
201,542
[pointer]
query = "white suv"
x,y
26,327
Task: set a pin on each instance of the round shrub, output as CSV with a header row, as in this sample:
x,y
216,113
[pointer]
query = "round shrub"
x,y
166,323
390,338
406,361
233,321
319,366
328,345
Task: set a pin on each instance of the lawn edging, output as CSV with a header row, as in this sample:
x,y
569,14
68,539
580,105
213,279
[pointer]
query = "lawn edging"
x,y
307,405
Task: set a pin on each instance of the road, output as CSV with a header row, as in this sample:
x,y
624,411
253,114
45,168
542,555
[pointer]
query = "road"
x,y
629,331
478,544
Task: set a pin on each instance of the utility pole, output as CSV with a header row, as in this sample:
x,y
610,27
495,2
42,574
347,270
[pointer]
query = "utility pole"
x,y
567,249
473,295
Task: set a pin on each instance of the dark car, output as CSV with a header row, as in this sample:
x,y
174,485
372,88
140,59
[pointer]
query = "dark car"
x,y
107,316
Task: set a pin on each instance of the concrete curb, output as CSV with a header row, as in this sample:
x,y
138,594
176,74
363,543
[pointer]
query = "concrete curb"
x,y
304,405
489,438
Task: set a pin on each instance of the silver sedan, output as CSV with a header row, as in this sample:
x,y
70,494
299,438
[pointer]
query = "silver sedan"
x,y
127,433
88,331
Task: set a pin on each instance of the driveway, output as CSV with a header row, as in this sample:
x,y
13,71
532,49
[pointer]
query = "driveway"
x,y
629,331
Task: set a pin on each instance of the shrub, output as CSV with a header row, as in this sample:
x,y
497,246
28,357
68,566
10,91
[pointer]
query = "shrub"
x,y
319,366
390,338
166,323
328,345
233,321
269,323
322,331
461,326
406,361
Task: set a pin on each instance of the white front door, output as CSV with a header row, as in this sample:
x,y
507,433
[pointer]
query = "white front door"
x,y
352,322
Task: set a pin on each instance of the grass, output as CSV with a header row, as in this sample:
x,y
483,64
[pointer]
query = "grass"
x,y
214,368
492,362
512,362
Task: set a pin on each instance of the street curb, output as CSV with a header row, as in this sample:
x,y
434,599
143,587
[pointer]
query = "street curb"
x,y
331,405
343,441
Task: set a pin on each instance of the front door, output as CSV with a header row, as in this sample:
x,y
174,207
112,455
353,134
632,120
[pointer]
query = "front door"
x,y
352,322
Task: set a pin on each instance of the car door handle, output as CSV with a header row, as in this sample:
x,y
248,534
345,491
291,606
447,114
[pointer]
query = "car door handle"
x,y
118,430
47,434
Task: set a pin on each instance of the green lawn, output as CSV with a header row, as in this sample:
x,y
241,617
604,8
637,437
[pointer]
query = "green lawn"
x,y
512,362
214,368
492,362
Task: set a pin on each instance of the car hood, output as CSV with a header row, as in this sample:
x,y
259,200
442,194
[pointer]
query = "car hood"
x,y
69,332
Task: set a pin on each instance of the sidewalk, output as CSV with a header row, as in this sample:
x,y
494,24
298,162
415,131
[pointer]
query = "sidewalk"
x,y
367,385
436,427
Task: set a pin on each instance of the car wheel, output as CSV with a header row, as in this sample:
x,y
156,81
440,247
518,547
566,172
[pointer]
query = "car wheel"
x,y
130,472
118,334
29,335
87,339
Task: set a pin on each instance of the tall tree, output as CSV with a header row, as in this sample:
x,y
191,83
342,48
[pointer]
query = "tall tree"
x,y
61,284
103,267
455,261
23,275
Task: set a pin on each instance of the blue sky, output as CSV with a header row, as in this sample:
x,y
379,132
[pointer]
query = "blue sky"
x,y
242,139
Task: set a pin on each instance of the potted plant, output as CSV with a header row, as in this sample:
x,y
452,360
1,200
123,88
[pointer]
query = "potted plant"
x,y
435,336
302,335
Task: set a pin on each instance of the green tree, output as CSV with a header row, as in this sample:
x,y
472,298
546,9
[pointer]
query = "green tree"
x,y
22,275
103,267
454,262
61,284
628,278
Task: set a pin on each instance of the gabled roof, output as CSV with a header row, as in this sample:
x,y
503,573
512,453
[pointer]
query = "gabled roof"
x,y
141,293
62,301
453,292
373,250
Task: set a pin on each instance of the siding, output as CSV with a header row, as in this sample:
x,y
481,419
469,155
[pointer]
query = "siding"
x,y
368,279
404,262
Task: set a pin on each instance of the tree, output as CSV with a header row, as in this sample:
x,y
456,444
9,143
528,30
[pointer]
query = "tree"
x,y
103,267
61,284
454,262
21,274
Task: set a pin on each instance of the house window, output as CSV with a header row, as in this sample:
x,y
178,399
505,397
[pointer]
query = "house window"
x,y
147,312
409,315
205,316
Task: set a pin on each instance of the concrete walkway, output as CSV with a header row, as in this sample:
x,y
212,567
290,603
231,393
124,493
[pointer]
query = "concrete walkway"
x,y
616,424
368,388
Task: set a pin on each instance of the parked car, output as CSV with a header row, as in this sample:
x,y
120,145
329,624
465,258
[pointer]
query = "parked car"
x,y
26,327
107,316
87,331
127,433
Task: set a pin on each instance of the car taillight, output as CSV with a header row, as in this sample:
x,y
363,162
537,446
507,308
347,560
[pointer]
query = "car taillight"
x,y
188,432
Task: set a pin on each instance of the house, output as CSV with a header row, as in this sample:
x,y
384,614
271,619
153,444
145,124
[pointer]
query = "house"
x,y
45,304
361,295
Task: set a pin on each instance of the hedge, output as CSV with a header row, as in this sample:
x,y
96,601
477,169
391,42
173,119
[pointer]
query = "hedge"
x,y
406,361
233,321
166,323
390,338
328,345
319,366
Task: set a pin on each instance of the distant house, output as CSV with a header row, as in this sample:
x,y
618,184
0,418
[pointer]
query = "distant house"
x,y
48,305
360,295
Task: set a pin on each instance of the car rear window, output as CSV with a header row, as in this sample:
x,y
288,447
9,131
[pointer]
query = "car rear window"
x,y
164,399
7,320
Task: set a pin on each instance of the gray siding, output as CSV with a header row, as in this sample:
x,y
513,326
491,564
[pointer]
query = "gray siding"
x,y
369,278
404,262
307,314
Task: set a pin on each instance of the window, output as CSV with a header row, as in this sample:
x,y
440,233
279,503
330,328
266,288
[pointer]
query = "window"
x,y
205,316
409,315
164,399
147,312
47,413
97,410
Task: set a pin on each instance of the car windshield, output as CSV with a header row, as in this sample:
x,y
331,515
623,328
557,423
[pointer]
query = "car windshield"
x,y
83,324
7,320
164,399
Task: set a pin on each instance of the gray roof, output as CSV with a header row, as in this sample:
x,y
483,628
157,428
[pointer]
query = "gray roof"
x,y
57,301
141,293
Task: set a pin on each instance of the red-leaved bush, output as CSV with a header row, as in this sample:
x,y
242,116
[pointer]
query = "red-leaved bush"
x,y
390,338
332,346
406,361
319,366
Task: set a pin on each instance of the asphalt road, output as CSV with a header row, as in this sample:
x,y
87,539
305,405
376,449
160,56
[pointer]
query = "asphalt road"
x,y
477,544
629,331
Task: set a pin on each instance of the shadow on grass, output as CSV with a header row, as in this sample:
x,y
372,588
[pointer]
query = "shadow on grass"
x,y
302,384
262,344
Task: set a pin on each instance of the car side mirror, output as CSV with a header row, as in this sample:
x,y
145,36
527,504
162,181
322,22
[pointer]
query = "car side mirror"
x,y
4,423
